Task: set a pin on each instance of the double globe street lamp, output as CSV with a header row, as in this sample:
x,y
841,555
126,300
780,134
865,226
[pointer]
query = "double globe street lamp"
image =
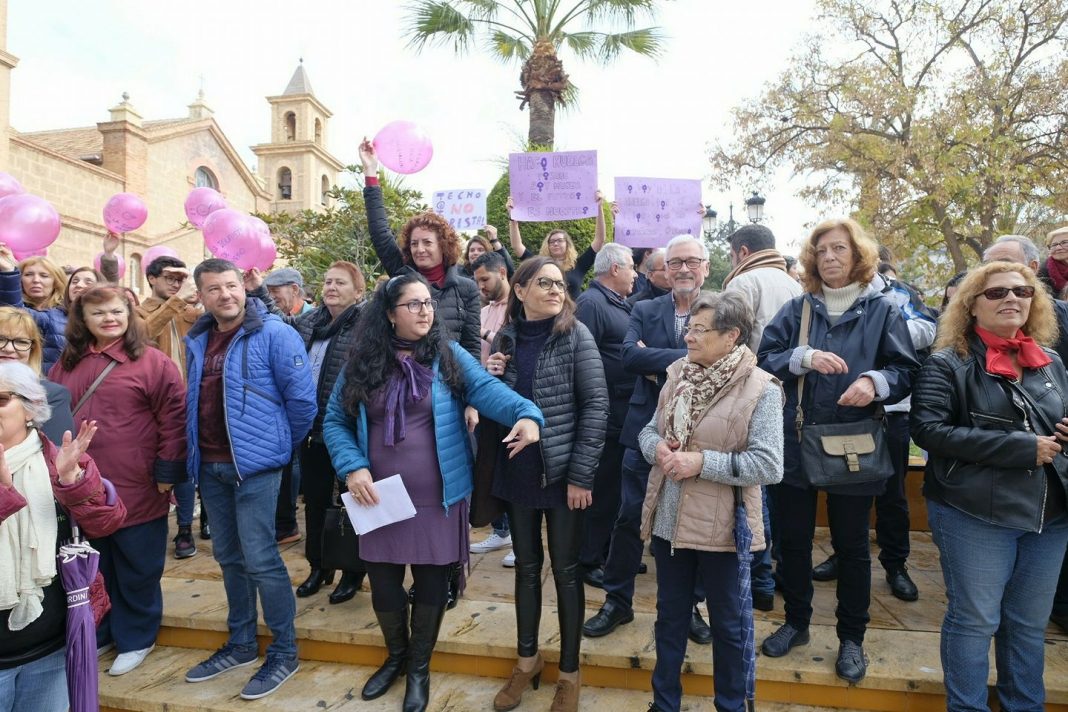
x,y
754,207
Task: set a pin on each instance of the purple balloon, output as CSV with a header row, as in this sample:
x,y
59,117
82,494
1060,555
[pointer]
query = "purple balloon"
x,y
403,147
27,222
122,263
10,186
124,212
201,203
154,253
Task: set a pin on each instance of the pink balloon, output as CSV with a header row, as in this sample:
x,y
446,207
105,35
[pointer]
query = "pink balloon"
x,y
268,252
10,186
124,212
154,253
201,203
27,222
231,235
21,255
403,147
122,263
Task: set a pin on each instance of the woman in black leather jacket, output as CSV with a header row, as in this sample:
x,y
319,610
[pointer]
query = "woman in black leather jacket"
x,y
989,406
548,356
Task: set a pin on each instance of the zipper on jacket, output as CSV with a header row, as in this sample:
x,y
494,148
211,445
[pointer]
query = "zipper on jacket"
x,y
226,419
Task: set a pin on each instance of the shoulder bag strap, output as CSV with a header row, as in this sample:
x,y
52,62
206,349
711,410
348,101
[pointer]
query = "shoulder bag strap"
x,y
802,340
92,388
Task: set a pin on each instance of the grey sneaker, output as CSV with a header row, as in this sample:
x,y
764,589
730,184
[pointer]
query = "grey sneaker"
x,y
225,658
270,677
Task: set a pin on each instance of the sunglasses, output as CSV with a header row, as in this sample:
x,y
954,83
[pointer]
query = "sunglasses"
x,y
6,397
996,293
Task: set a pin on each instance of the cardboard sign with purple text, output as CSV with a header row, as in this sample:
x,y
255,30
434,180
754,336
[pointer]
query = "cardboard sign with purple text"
x,y
654,210
553,186
465,208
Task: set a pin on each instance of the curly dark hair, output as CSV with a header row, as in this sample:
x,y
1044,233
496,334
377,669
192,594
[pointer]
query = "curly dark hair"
x,y
79,338
374,359
447,237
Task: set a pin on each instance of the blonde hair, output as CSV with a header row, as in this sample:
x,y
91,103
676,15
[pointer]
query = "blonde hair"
x,y
19,321
957,323
570,256
59,282
865,254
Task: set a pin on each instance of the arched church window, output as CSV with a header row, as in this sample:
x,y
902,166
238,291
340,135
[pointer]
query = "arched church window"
x,y
204,178
318,131
285,183
291,126
325,190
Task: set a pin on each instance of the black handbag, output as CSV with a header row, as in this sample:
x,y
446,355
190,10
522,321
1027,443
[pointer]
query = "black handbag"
x,y
341,549
837,454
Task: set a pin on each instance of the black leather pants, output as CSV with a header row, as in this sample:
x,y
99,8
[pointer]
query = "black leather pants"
x,y
565,529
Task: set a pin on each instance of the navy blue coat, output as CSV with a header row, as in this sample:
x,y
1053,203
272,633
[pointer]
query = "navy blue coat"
x,y
653,323
51,322
607,316
871,337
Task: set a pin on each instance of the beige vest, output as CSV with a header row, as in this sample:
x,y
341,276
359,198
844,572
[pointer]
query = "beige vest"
x,y
705,520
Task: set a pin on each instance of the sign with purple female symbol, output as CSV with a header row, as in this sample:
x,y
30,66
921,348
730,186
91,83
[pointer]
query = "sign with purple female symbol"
x,y
465,209
654,210
553,186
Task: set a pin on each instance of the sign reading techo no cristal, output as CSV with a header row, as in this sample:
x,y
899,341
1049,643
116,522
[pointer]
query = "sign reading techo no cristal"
x,y
464,208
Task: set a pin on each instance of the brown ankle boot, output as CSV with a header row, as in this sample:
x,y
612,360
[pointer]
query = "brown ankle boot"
x,y
567,696
512,694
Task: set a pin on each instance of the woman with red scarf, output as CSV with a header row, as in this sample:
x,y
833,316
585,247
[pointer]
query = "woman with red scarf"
x,y
1055,270
990,407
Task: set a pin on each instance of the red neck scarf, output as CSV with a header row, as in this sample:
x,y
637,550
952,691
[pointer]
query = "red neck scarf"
x,y
435,275
1058,272
999,353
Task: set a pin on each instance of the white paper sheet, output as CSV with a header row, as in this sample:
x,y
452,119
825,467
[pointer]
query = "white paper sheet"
x,y
394,505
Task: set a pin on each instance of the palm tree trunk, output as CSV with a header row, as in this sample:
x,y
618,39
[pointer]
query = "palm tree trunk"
x,y
542,129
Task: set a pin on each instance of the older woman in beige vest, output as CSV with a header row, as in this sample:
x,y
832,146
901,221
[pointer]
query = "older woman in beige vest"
x,y
718,425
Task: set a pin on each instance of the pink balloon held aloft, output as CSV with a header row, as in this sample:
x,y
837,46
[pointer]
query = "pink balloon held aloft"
x,y
122,264
268,252
9,186
201,203
403,147
230,235
154,253
124,212
21,255
27,222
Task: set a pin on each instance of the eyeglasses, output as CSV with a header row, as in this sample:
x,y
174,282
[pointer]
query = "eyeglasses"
x,y
17,344
1062,245
548,285
176,279
416,306
6,397
558,241
691,263
996,293
696,330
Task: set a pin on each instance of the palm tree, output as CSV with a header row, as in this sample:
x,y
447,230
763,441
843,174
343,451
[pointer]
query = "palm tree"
x,y
532,32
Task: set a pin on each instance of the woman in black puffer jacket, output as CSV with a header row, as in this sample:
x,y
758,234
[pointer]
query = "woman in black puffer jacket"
x,y
547,356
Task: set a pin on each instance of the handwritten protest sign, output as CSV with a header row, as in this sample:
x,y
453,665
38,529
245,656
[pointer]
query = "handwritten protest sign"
x,y
465,208
553,186
654,210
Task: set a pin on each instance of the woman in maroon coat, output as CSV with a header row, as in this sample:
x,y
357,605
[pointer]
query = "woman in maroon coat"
x,y
140,405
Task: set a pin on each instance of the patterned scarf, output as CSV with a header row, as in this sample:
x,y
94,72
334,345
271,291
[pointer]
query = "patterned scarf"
x,y
410,383
696,388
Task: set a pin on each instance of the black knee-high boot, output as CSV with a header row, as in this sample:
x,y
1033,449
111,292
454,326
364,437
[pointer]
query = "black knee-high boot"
x,y
394,625
426,622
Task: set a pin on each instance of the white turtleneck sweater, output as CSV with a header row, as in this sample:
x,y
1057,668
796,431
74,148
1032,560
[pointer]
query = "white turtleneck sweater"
x,y
837,301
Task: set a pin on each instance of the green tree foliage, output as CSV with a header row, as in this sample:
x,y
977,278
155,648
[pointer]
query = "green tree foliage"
x,y
531,32
719,264
943,121
311,240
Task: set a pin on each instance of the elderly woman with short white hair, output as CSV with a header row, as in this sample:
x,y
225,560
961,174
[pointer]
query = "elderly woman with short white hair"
x,y
42,487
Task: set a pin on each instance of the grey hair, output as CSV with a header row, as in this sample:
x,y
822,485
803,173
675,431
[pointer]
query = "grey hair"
x,y
685,240
610,255
1030,250
658,252
730,310
21,379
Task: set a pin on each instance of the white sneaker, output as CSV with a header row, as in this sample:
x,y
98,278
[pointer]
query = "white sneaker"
x,y
126,662
491,543
509,560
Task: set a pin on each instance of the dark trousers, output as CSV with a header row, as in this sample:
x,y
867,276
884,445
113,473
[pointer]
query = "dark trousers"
x,y
564,528
892,507
285,512
848,516
625,550
677,576
131,561
1060,598
321,488
760,569
601,517
387,585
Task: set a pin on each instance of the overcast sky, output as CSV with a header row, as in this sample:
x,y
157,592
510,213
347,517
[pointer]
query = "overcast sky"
x,y
644,117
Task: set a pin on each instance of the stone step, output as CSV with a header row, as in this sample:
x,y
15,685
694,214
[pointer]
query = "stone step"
x,y
158,685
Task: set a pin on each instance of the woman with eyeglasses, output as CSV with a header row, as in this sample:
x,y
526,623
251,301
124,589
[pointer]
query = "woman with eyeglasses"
x,y
990,408
36,284
548,356
398,409
559,247
1055,271
20,341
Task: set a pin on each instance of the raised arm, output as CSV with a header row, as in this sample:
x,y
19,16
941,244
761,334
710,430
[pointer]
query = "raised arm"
x,y
518,247
600,233
382,237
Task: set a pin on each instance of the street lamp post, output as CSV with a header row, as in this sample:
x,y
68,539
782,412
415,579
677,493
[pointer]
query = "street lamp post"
x,y
714,230
754,206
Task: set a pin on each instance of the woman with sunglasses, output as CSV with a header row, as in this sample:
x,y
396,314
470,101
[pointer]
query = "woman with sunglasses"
x,y
990,408
398,409
545,354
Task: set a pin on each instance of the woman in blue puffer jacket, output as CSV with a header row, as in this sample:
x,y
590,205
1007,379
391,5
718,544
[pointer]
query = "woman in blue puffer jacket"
x,y
36,284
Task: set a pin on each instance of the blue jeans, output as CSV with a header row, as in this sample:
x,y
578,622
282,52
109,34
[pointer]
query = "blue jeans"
x,y
500,526
242,537
185,496
1000,584
760,569
40,686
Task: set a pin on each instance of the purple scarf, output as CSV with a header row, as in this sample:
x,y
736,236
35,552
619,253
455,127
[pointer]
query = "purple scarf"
x,y
409,383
